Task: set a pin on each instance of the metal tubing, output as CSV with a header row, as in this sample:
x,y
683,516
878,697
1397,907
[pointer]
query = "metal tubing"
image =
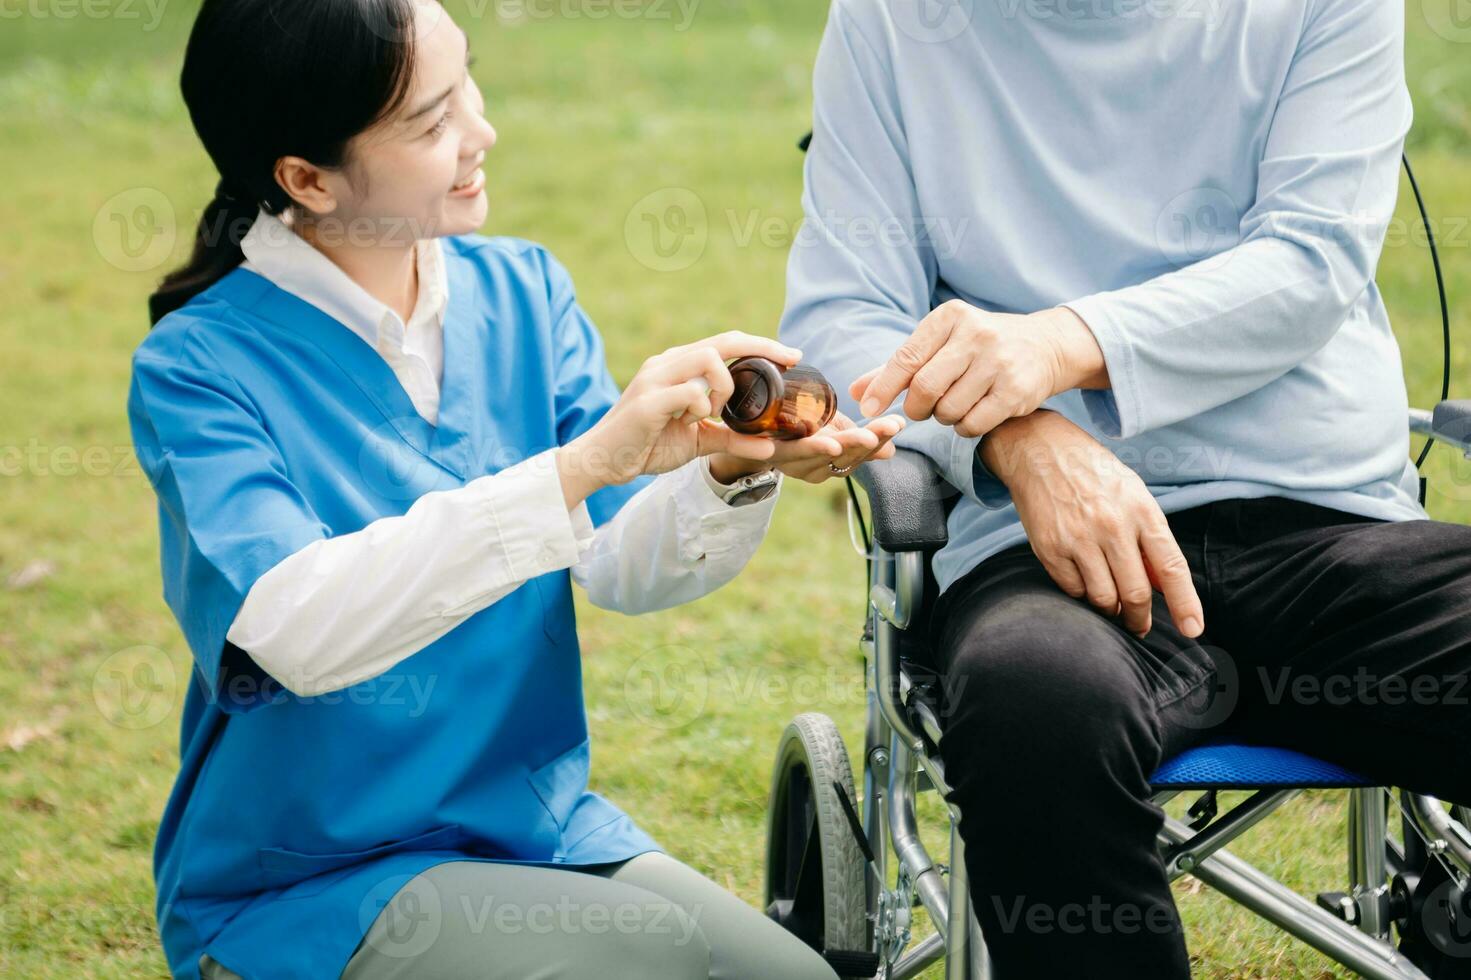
x,y
1368,859
1181,859
1436,824
919,956
1269,899
957,933
914,860
902,600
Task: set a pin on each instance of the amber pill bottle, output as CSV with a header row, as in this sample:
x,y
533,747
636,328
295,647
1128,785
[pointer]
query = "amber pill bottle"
x,y
768,400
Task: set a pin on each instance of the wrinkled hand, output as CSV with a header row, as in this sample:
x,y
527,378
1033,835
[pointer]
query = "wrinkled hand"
x,y
1091,520
974,370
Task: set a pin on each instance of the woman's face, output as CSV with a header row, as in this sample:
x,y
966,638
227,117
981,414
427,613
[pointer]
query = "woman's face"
x,y
418,173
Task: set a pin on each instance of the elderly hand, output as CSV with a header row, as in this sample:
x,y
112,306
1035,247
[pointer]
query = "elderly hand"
x,y
973,369
1092,522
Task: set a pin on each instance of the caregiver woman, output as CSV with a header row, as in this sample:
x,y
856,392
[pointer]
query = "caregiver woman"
x,y
383,448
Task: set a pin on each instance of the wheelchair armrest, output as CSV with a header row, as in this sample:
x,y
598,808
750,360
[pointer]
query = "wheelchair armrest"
x,y
907,498
1453,419
1449,423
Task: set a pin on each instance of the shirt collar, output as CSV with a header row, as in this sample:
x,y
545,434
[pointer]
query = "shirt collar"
x,y
276,252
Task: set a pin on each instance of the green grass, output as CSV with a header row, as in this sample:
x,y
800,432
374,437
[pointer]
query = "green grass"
x,y
593,116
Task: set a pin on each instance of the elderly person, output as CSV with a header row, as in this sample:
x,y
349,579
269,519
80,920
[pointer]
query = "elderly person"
x,y
1120,261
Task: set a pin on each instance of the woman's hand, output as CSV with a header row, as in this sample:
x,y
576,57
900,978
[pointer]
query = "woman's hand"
x,y
661,421
840,443
974,369
1092,522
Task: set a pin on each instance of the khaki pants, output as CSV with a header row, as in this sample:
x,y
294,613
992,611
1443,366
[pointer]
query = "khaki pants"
x,y
649,918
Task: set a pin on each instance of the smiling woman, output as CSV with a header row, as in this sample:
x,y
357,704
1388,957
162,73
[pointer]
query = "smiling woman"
x,y
384,448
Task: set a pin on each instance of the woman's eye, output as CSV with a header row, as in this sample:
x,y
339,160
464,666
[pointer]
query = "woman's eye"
x,y
439,127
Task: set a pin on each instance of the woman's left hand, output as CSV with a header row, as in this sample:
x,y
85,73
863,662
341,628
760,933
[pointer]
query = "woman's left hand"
x,y
840,445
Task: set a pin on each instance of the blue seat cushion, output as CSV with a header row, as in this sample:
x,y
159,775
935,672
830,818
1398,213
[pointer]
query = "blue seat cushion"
x,y
1231,766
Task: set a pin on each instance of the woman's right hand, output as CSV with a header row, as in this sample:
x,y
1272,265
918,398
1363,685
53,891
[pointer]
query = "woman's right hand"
x,y
1091,521
662,420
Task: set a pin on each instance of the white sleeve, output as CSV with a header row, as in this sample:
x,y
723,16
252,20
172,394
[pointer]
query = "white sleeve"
x,y
672,542
345,609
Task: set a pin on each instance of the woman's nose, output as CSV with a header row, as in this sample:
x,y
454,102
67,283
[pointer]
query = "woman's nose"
x,y
482,135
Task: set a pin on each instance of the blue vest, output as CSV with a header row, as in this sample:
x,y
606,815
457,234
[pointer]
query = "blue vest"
x,y
264,425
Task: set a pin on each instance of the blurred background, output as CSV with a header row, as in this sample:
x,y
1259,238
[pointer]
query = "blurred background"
x,y
651,145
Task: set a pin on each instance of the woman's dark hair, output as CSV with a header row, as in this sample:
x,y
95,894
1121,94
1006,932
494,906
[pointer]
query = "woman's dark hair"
x,y
265,79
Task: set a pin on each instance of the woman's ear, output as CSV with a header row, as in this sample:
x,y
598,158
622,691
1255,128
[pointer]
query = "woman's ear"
x,y
307,184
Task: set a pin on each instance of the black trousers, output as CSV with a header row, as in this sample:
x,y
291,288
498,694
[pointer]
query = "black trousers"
x,y
1345,638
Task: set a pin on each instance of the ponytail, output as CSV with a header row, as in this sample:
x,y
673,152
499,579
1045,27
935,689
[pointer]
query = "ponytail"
x,y
217,251
259,86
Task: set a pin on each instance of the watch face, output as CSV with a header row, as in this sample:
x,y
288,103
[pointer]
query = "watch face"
x,y
755,494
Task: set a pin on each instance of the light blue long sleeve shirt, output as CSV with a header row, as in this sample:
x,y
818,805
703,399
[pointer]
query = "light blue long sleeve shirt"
x,y
1206,184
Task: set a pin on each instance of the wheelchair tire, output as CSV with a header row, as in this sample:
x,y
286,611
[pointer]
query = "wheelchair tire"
x,y
815,868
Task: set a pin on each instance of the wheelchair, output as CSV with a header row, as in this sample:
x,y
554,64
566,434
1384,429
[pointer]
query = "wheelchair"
x,y
829,878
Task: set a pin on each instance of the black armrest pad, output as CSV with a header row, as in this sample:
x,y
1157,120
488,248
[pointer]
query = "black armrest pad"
x,y
1453,418
908,499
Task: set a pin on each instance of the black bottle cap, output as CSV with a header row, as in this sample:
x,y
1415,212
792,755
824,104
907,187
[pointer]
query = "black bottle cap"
x,y
751,394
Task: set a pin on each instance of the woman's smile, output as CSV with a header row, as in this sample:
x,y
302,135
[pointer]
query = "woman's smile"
x,y
471,186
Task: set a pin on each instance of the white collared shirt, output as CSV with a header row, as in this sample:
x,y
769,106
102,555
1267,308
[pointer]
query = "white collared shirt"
x,y
415,351
341,610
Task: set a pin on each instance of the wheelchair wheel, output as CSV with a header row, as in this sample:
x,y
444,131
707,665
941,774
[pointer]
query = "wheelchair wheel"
x,y
814,866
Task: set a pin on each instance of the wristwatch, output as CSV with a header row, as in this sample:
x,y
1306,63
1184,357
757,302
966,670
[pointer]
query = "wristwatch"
x,y
751,488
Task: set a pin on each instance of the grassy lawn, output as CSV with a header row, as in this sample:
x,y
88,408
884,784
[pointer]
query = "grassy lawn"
x,y
697,101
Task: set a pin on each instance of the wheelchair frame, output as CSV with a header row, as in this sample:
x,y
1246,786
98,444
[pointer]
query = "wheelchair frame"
x,y
899,761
